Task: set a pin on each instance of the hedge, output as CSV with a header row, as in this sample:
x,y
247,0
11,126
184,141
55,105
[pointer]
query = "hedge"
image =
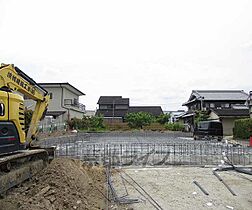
x,y
86,123
174,126
243,128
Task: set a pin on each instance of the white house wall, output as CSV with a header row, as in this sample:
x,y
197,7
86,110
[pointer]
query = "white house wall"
x,y
29,104
69,95
76,114
228,125
55,102
213,116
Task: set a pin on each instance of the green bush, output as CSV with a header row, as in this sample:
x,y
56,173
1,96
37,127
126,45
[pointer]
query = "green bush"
x,y
174,126
139,119
243,128
201,116
163,118
96,122
87,123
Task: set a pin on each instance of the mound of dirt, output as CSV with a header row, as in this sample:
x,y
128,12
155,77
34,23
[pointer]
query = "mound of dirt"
x,y
64,184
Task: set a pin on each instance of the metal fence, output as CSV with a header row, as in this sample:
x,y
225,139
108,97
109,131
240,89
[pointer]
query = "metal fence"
x,y
142,154
51,127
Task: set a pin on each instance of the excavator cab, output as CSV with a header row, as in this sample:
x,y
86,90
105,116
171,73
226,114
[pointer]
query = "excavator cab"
x,y
12,134
14,84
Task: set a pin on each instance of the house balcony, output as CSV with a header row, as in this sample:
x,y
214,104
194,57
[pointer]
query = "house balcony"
x,y
75,105
81,107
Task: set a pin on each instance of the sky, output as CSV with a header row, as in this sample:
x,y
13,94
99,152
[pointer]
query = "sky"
x,y
153,52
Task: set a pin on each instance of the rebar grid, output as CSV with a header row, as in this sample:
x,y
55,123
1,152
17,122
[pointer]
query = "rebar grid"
x,y
167,150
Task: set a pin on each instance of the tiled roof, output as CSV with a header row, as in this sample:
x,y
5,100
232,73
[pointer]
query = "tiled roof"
x,y
154,110
232,112
113,100
217,95
221,94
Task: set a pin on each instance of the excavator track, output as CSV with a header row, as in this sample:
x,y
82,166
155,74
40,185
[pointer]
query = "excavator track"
x,y
18,167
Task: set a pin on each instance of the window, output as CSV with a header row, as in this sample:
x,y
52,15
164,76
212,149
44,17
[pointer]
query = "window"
x,y
76,102
106,106
212,105
118,106
203,125
1,109
103,107
67,101
226,105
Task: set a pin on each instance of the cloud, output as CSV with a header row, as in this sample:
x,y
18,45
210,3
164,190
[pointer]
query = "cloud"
x,y
247,45
153,53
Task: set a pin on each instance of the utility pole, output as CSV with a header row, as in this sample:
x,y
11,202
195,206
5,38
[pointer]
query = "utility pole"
x,y
250,103
113,111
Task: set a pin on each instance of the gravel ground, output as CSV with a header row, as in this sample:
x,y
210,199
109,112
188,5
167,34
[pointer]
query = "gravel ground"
x,y
140,137
173,188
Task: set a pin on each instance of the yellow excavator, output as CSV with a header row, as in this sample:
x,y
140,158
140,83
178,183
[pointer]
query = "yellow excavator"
x,y
19,160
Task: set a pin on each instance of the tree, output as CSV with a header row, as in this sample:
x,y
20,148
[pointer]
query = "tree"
x,y
163,118
139,119
200,116
86,123
96,122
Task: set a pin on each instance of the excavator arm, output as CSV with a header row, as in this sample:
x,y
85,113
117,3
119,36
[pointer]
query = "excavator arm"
x,y
13,79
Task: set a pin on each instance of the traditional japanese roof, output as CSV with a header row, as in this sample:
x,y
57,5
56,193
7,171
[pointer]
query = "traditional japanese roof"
x,y
231,112
186,115
217,95
113,100
154,110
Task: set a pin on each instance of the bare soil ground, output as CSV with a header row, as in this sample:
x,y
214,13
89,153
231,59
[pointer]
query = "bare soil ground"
x,y
173,188
64,184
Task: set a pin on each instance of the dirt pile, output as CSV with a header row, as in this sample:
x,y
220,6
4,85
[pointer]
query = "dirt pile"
x,y
64,184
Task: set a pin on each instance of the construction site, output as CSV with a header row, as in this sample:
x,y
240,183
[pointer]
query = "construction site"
x,y
125,105
136,170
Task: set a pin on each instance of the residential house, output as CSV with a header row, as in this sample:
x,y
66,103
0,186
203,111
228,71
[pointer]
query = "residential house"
x,y
215,99
207,100
115,108
174,115
64,102
153,110
90,113
228,116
